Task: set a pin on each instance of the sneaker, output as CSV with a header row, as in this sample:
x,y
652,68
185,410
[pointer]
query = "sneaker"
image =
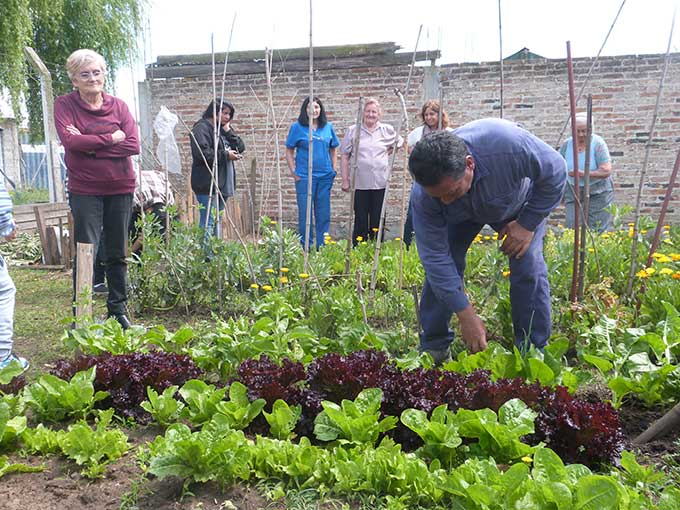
x,y
439,356
122,320
14,358
100,288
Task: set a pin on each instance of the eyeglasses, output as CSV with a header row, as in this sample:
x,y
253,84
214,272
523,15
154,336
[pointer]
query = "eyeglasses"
x,y
85,75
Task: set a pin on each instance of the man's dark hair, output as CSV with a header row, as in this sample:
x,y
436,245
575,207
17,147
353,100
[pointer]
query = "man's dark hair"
x,y
303,118
223,105
436,156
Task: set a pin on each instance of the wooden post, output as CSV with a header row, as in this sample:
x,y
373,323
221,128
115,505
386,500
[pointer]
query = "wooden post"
x,y
662,425
56,186
84,280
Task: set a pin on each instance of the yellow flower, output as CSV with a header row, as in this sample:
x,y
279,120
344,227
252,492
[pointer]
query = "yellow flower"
x,y
254,286
631,231
360,238
606,235
283,279
666,227
273,222
397,239
560,225
303,275
266,288
284,269
642,274
374,229
362,242
667,241
269,270
487,238
495,236
664,259
666,270
675,257
332,242
651,270
527,460
644,231
631,224
676,275
506,274
591,250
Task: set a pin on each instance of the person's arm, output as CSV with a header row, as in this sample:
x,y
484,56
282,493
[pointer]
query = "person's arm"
x,y
346,147
71,137
202,144
290,159
432,239
7,224
344,171
129,146
235,141
333,155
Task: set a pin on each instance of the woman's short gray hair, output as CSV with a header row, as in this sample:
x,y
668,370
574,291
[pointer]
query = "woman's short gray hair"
x,y
80,58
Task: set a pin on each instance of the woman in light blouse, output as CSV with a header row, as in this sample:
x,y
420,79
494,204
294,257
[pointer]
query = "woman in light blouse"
x,y
376,140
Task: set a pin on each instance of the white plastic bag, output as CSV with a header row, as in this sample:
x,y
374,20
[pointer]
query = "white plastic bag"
x,y
167,151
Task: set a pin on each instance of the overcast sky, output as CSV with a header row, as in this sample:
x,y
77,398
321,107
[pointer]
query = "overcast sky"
x,y
464,31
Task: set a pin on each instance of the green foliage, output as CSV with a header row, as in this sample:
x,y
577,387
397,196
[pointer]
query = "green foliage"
x,y
7,467
53,399
109,337
353,422
238,411
283,419
56,28
201,401
439,433
164,408
11,427
93,449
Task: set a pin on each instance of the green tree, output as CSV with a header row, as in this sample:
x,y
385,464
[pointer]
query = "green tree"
x,y
56,28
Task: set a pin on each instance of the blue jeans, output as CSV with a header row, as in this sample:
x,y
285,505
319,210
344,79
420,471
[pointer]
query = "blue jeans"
x,y
321,207
211,228
529,293
94,215
7,295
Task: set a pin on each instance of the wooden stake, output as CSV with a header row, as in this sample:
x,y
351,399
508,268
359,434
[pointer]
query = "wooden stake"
x,y
381,227
84,280
577,201
586,200
308,213
353,184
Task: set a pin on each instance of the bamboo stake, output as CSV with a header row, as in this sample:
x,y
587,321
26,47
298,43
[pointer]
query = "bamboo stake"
x,y
586,199
268,72
381,227
500,59
360,294
353,184
643,172
659,226
592,66
238,234
310,109
402,216
577,201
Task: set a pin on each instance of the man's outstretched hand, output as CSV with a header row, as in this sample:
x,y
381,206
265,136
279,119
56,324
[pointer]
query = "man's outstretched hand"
x,y
473,330
516,239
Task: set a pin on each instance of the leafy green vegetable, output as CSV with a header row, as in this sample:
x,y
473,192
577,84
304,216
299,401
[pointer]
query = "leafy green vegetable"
x,y
6,467
353,422
201,401
238,412
439,433
10,427
54,399
164,408
283,419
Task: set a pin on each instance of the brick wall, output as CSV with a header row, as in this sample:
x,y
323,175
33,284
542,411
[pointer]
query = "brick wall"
x,y
535,94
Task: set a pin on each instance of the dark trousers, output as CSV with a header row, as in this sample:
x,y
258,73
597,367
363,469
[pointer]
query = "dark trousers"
x,y
408,226
108,215
367,208
529,293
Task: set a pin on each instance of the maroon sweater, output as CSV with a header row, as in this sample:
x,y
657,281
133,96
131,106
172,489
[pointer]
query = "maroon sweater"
x,y
97,166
